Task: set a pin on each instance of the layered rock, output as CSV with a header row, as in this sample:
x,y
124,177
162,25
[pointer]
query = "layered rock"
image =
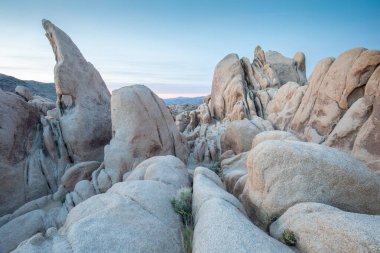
x,y
322,228
221,224
283,173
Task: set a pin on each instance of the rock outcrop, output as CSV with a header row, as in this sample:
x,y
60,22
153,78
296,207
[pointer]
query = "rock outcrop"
x,y
239,134
130,217
322,228
83,99
338,107
19,138
284,173
236,82
142,127
221,224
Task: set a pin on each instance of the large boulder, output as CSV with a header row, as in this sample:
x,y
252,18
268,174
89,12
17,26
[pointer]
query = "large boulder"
x,y
19,136
287,69
142,127
130,217
221,224
283,173
320,228
229,89
168,169
273,135
283,106
239,134
234,173
82,98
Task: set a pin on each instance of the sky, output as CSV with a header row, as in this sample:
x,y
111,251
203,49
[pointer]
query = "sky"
x,y
173,46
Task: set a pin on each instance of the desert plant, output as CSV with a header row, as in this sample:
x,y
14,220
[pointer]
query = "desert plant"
x,y
288,237
182,206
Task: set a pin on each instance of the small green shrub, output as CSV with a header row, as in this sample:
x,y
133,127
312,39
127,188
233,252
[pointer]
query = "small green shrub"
x,y
288,237
182,205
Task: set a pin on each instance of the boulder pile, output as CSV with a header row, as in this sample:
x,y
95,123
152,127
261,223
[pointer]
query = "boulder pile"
x,y
270,161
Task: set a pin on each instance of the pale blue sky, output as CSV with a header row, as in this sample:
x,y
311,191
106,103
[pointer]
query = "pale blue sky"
x,y
173,46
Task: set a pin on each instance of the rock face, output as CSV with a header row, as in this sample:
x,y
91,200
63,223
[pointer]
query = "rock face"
x,y
228,79
286,69
221,224
234,173
273,135
19,136
234,170
142,127
240,133
283,173
236,82
338,107
322,228
283,106
40,142
83,99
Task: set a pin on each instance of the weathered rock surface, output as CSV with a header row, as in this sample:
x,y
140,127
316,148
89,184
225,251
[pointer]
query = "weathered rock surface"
x,y
167,169
236,82
82,98
234,173
19,136
322,228
273,135
221,224
284,173
240,133
23,92
286,69
366,146
129,217
339,101
142,127
228,89
283,106
28,224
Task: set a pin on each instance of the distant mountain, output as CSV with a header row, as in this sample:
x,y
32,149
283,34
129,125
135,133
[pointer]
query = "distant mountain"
x,y
184,100
9,83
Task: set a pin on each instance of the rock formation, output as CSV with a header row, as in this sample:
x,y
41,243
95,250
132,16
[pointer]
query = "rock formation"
x,y
221,224
283,173
288,160
83,100
130,217
142,127
346,232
